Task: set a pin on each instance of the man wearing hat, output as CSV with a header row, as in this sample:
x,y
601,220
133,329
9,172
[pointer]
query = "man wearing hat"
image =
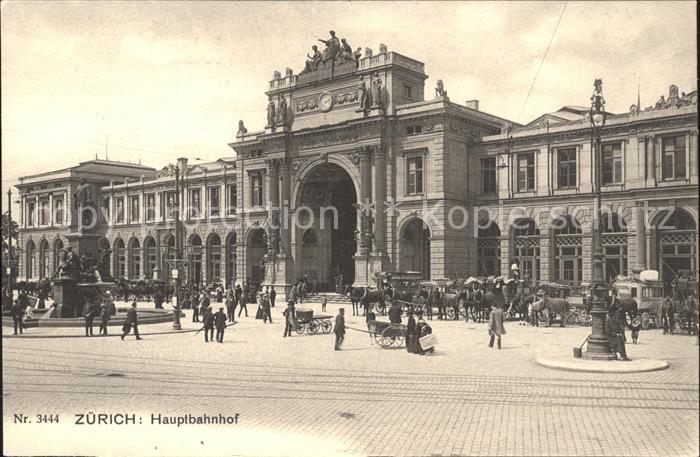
x,y
615,332
220,323
411,333
496,327
104,318
339,328
208,319
288,319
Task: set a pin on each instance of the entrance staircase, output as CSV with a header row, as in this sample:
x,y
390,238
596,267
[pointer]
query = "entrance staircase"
x,y
332,298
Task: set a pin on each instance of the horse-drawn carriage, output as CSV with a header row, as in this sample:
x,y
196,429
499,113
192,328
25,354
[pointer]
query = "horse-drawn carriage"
x,y
306,321
386,334
646,291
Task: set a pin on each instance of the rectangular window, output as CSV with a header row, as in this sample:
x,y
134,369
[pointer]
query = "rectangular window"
x,y
488,175
526,172
58,210
170,205
256,183
414,175
214,202
43,212
119,210
673,150
134,216
195,204
150,207
31,214
232,197
407,91
612,164
566,160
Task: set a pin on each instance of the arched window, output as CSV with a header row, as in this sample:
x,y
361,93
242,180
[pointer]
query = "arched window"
x,y
31,259
415,248
676,245
614,240
310,237
134,259
120,258
214,259
489,250
194,254
44,255
57,246
526,247
568,262
150,263
231,258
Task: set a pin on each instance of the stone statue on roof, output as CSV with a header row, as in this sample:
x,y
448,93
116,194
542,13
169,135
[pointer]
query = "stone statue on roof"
x,y
332,47
440,89
282,112
271,114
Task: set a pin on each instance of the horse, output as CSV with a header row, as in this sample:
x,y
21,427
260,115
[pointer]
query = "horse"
x,y
551,306
366,297
453,299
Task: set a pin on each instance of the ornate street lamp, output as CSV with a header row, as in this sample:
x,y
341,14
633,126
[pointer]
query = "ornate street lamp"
x,y
174,170
598,344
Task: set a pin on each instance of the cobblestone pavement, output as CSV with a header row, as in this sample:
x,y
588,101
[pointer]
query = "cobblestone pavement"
x,y
296,396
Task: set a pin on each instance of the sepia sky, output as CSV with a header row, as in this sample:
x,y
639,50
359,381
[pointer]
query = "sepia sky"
x,y
170,79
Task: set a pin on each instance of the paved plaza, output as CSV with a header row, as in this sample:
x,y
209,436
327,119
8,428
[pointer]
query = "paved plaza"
x,y
296,396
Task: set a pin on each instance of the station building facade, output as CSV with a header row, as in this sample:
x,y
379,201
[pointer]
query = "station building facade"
x,y
454,191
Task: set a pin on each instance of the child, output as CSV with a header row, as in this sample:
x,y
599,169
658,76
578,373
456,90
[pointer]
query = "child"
x,y
323,304
636,325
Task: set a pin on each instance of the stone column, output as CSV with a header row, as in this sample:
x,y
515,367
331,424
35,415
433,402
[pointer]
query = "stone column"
x,y
51,213
641,263
274,203
379,198
285,190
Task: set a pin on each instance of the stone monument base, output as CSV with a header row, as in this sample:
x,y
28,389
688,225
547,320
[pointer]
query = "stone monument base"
x,y
277,269
66,297
365,268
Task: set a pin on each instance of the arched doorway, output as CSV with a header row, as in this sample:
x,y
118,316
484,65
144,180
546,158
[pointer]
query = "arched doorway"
x,y
489,249
31,259
257,248
194,255
150,257
676,245
44,255
230,252
214,259
415,248
326,223
525,242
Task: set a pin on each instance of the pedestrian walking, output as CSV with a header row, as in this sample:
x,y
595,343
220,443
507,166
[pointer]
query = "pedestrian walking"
x,y
194,301
158,299
231,305
17,312
208,320
288,319
131,321
370,317
496,327
324,302
636,326
89,316
395,313
267,312
339,328
244,303
273,295
219,294
667,312
220,323
104,318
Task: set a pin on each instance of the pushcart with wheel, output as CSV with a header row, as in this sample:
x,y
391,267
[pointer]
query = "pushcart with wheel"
x,y
306,321
386,334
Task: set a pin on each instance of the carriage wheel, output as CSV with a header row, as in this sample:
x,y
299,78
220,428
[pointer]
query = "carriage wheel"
x,y
299,328
450,311
645,320
313,327
326,326
380,340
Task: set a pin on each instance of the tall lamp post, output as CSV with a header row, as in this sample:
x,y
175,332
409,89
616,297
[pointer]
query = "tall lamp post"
x,y
598,344
174,170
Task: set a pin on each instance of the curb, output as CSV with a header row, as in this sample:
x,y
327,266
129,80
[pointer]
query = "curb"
x,y
118,334
612,366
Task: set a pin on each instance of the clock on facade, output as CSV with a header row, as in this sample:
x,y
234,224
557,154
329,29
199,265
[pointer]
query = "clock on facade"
x,y
325,102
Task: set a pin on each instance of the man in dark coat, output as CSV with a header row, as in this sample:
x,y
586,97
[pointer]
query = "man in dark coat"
x,y
131,321
231,305
208,319
158,299
288,319
244,302
220,323
239,292
265,305
496,327
194,301
89,316
17,312
104,318
667,312
411,333
614,331
273,295
395,313
339,328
